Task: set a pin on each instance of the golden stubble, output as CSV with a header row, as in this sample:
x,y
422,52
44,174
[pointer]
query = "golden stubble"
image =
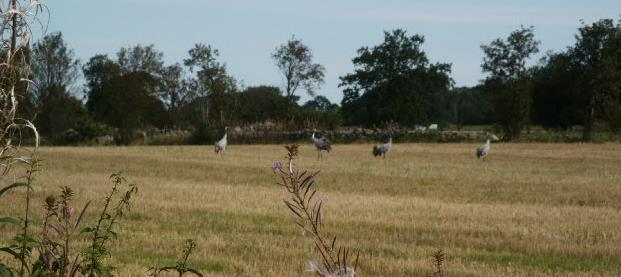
x,y
529,210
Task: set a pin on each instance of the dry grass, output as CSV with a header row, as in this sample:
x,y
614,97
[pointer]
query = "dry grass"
x,y
530,210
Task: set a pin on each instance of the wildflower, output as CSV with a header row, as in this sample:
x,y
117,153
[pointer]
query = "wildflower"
x,y
277,167
68,212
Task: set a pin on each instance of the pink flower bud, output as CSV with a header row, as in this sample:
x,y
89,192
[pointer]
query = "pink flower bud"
x,y
68,212
277,167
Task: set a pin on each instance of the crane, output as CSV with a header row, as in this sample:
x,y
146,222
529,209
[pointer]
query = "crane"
x,y
383,149
322,144
483,151
220,146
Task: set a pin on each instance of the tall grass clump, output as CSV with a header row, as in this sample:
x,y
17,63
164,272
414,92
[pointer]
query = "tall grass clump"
x,y
304,203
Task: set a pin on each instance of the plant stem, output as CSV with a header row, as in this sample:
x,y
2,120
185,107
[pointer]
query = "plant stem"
x,y
96,232
26,218
12,50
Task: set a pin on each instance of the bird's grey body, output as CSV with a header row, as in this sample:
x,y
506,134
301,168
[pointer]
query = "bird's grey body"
x,y
382,150
322,144
483,151
220,146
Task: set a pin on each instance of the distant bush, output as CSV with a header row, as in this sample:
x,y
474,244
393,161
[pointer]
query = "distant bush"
x,y
203,134
85,132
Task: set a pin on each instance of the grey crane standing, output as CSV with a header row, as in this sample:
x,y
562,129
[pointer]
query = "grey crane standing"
x,y
383,149
322,144
483,151
220,146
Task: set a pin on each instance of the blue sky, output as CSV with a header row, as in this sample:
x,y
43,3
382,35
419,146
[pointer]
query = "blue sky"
x,y
246,32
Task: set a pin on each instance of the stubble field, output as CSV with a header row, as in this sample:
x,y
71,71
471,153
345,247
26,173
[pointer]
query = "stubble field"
x,y
529,210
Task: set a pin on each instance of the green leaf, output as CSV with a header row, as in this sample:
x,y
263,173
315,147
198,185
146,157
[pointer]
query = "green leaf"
x,y
11,252
11,220
6,270
87,230
12,186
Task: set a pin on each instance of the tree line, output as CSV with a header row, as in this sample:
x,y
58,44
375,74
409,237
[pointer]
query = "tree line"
x,y
392,82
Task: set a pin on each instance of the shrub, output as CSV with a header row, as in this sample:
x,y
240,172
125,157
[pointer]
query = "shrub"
x,y
203,134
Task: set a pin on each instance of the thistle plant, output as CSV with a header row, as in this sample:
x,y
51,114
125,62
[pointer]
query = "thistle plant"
x,y
182,264
438,260
307,208
60,228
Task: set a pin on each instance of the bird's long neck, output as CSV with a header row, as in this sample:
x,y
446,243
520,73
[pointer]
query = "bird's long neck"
x,y
313,137
224,137
487,142
390,140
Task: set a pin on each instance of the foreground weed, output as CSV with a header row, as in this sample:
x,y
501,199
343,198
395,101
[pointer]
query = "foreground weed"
x,y
334,261
60,227
182,264
438,260
104,230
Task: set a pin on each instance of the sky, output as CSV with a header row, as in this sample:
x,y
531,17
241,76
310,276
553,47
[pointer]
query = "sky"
x,y
247,32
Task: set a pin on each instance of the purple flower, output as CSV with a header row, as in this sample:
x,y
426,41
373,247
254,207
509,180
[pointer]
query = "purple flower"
x,y
277,167
68,212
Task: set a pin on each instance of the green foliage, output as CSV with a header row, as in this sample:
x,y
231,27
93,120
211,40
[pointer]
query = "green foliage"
x,y
54,244
556,100
581,86
470,106
509,81
258,104
321,104
60,228
203,134
393,82
295,62
213,89
116,204
55,70
596,56
85,130
122,95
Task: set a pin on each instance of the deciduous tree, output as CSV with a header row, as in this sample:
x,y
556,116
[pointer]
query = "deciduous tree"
x,y
509,80
295,62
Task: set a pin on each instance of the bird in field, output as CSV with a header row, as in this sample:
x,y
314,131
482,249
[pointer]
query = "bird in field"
x,y
483,151
383,149
322,144
220,146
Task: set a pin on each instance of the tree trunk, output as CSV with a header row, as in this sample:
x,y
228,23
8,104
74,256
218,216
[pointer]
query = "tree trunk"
x,y
587,132
204,111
